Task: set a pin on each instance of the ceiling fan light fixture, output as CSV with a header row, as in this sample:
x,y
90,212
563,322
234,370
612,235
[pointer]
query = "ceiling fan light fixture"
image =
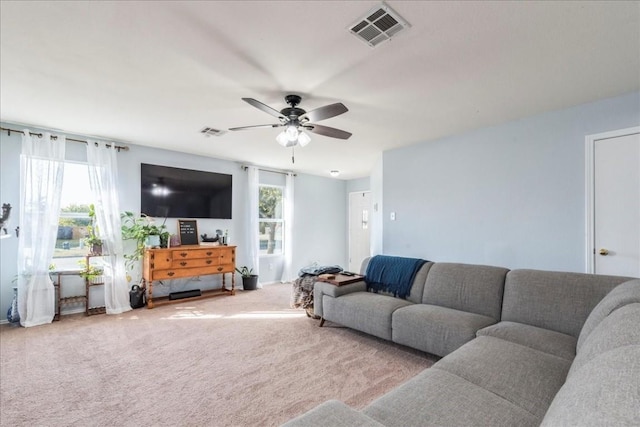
x,y
303,139
292,133
282,139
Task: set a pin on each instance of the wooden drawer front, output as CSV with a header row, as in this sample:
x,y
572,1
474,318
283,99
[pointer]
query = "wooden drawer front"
x,y
195,254
189,263
226,268
189,272
160,259
227,256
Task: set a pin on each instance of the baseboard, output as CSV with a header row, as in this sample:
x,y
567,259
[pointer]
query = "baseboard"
x,y
64,313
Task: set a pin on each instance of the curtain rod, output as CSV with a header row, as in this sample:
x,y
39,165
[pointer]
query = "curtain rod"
x,y
39,135
245,167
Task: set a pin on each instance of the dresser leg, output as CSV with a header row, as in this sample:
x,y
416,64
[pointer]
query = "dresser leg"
x,y
149,287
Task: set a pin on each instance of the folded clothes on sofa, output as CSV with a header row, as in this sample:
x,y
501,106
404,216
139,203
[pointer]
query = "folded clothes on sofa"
x,y
392,274
316,270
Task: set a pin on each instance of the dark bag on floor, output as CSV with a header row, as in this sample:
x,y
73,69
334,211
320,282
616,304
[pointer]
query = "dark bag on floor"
x,y
137,297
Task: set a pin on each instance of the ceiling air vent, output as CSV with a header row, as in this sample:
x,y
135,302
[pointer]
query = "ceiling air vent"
x,y
379,24
207,131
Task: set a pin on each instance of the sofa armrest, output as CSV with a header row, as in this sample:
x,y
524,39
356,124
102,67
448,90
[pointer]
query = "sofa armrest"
x,y
333,413
322,288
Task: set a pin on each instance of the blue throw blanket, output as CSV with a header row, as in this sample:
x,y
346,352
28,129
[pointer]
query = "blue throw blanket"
x,y
392,274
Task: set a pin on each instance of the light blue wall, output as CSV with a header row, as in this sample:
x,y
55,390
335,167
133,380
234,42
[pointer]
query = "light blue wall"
x,y
320,221
511,195
357,185
324,240
377,221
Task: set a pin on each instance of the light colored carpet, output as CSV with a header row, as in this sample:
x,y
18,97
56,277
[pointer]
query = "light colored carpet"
x,y
246,360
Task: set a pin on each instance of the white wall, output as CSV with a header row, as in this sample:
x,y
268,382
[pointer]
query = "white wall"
x,y
511,195
319,232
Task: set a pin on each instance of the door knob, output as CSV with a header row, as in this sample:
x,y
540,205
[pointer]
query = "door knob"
x,y
604,252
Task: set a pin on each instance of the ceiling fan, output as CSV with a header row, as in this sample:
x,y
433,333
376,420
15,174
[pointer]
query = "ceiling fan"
x,y
295,120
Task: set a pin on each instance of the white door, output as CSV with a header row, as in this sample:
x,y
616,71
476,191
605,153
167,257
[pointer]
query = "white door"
x,y
359,229
616,201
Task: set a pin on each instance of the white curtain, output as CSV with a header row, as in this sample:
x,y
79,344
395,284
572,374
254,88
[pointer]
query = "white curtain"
x,y
41,175
253,237
103,179
287,273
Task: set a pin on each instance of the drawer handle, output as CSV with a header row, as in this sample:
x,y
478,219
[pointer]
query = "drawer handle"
x,y
209,261
183,263
219,268
209,253
171,273
183,254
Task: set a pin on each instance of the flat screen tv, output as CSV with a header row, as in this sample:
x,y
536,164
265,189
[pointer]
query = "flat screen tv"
x,y
183,193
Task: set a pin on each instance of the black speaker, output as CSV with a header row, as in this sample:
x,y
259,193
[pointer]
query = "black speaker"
x,y
185,294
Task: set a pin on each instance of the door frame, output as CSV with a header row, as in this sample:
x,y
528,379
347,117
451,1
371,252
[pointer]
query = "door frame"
x,y
590,145
349,244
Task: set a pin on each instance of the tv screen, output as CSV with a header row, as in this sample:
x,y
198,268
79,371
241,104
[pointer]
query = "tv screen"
x,y
183,193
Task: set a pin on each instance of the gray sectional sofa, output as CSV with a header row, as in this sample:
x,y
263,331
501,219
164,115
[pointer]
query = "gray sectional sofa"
x,y
520,348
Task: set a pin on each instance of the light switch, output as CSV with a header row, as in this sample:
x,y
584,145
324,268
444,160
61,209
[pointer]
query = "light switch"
x,y
393,216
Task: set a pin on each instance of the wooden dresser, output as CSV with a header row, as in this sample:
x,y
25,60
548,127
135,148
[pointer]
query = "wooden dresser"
x,y
188,261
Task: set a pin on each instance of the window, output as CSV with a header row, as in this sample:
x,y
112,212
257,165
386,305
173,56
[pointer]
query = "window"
x,y
74,216
271,222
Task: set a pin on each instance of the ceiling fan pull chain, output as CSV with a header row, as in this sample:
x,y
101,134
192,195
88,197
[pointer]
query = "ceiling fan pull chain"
x,y
293,153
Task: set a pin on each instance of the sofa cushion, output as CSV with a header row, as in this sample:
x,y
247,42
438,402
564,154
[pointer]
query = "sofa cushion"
x,y
603,392
332,413
434,329
555,343
364,311
527,378
626,293
619,329
439,398
322,288
552,300
466,287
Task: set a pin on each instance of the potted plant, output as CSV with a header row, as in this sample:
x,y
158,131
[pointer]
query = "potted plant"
x,y
93,242
249,281
91,273
146,234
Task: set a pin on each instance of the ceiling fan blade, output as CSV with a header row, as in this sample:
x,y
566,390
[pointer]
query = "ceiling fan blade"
x,y
327,131
325,112
260,106
255,127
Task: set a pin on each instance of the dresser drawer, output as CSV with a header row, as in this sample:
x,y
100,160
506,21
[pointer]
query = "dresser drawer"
x,y
195,254
193,262
190,272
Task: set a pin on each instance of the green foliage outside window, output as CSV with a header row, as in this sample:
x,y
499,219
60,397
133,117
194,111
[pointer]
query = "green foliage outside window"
x,y
270,214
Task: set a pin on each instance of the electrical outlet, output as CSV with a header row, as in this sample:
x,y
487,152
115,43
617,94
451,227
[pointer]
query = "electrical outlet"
x,y
270,266
393,216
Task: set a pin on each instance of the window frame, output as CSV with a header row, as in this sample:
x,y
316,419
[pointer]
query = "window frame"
x,y
71,262
280,221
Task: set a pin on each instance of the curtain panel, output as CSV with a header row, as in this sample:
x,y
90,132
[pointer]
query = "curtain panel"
x,y
41,175
253,237
103,180
287,273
